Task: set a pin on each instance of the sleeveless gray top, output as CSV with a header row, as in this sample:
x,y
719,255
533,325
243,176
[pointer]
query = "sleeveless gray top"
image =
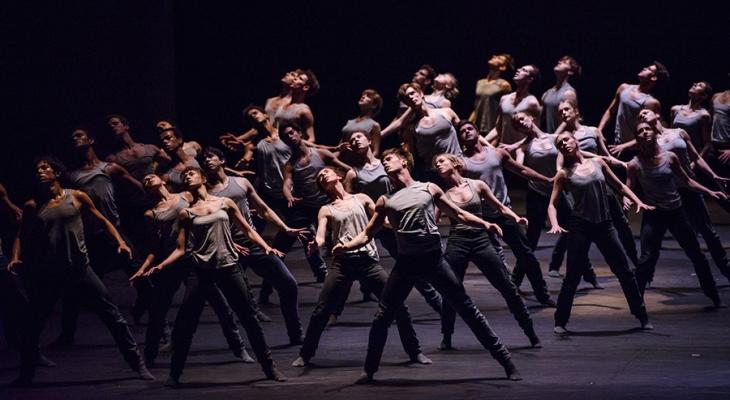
x,y
551,100
628,111
235,192
142,165
372,182
98,185
346,225
209,239
590,194
658,184
433,101
672,141
490,171
473,205
175,179
721,123
411,213
270,159
589,139
692,124
487,103
541,155
353,125
305,180
165,227
437,139
509,133
289,113
58,237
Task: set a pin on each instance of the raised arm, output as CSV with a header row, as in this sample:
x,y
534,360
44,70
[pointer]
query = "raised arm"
x,y
375,136
86,203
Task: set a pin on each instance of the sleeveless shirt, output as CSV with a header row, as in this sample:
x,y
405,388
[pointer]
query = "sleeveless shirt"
x,y
209,239
411,213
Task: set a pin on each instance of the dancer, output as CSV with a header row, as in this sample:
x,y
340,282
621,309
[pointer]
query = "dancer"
x,y
162,224
521,100
270,268
629,100
694,118
590,222
346,216
410,210
370,104
180,158
205,234
50,255
445,89
467,243
565,68
486,163
656,171
720,154
489,91
138,158
304,84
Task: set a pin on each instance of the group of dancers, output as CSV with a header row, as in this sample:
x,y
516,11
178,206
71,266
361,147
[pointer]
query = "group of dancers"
x,y
177,213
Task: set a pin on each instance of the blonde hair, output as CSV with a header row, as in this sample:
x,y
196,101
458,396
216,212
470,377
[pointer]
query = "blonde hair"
x,y
457,161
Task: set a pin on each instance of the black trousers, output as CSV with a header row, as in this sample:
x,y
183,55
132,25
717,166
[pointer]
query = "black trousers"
x,y
45,286
432,267
527,263
166,284
653,226
340,275
230,281
699,218
13,305
301,216
582,234
273,270
476,246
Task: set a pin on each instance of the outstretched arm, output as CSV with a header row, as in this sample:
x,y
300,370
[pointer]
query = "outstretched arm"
x,y
85,201
452,210
624,189
486,193
179,247
235,214
691,183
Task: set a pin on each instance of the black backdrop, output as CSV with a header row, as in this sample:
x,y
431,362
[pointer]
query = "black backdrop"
x,y
201,62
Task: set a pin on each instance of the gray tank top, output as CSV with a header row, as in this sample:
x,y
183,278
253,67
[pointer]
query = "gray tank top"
x,y
348,224
209,239
353,125
672,141
628,112
165,227
372,182
411,213
692,124
175,179
473,205
98,185
588,139
509,133
721,123
590,194
487,103
437,139
270,160
658,184
140,166
289,113
235,192
58,237
305,180
433,101
490,172
551,100
541,155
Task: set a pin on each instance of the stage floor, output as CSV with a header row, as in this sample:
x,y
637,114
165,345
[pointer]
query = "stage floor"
x,y
604,357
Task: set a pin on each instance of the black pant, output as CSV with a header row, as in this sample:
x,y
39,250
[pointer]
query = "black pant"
x,y
301,216
476,246
699,218
13,305
273,270
104,258
167,283
340,275
432,267
653,226
45,286
230,281
603,234
527,263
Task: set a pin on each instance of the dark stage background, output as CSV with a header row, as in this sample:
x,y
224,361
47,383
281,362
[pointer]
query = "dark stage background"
x,y
200,63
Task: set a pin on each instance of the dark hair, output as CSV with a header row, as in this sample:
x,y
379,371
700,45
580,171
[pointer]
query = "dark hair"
x,y
535,73
708,88
662,73
575,68
336,170
193,168
249,108
54,162
464,122
312,82
294,125
121,118
82,128
175,131
509,60
401,153
214,151
377,100
431,71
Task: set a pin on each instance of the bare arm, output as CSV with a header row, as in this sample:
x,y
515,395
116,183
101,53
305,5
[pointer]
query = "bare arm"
x,y
364,237
9,205
613,180
247,229
552,211
522,170
397,123
265,211
320,238
486,193
349,179
29,213
699,161
691,183
453,211
286,187
331,159
150,258
118,172
179,247
85,201
306,118
611,110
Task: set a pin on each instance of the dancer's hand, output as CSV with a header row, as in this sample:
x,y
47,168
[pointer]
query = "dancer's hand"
x,y
645,207
717,195
139,274
616,149
343,146
302,234
557,229
13,265
724,156
274,252
339,249
291,201
123,248
522,221
627,203
152,271
312,247
490,227
231,142
242,250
